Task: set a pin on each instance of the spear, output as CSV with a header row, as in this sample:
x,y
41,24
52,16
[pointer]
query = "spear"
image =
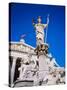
x,y
47,28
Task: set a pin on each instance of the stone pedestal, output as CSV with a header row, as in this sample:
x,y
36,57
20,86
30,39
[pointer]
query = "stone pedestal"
x,y
43,67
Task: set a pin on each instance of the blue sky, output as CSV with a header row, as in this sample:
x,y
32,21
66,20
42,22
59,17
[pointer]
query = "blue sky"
x,y
21,23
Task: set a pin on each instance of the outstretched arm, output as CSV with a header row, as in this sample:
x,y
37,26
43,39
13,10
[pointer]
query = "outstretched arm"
x,y
45,25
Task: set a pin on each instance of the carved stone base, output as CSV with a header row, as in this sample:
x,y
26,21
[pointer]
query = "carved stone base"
x,y
41,49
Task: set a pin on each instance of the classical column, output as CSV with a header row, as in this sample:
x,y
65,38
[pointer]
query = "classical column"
x,y
20,69
13,70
